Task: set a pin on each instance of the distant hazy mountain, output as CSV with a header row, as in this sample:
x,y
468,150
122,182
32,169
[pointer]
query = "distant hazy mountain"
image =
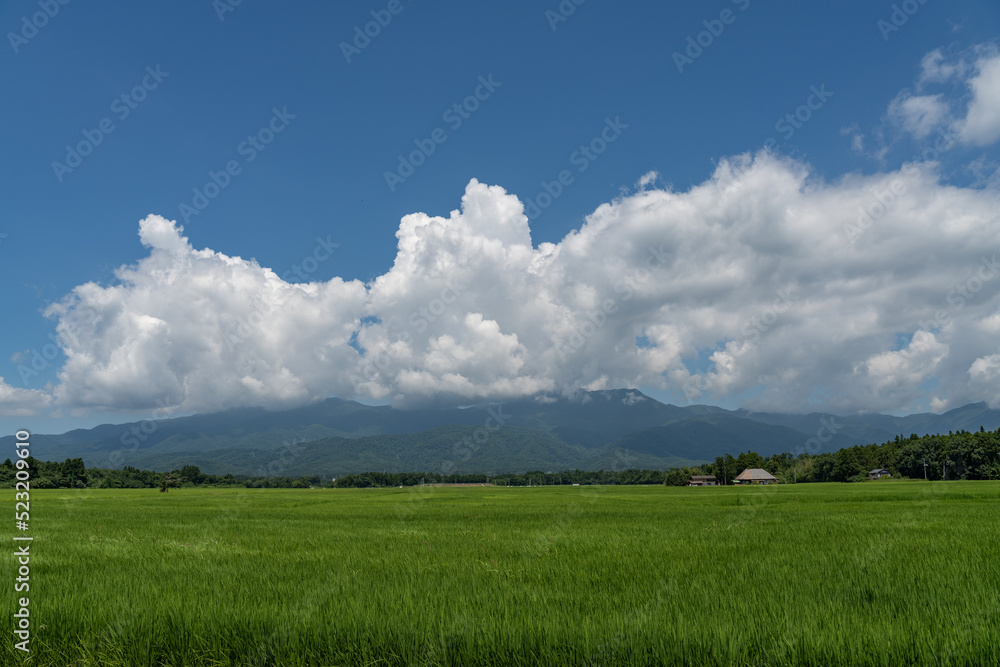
x,y
592,430
445,449
877,428
688,438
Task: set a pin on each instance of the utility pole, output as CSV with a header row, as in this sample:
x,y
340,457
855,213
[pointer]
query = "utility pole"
x,y
925,470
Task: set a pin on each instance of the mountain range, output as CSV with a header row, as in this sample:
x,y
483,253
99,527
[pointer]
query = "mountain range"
x,y
610,429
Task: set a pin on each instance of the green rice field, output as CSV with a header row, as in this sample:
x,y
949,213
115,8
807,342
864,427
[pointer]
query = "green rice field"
x,y
882,573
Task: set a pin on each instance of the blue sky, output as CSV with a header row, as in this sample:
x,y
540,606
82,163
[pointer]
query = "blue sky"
x,y
308,118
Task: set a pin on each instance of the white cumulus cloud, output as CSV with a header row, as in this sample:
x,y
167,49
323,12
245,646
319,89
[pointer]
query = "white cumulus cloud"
x,y
972,115
919,114
795,292
194,329
16,402
981,125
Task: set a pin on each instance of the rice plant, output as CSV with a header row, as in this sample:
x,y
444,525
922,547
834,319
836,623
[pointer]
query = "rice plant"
x,y
903,572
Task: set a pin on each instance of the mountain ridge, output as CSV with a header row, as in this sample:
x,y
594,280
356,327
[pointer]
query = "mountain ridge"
x,y
599,428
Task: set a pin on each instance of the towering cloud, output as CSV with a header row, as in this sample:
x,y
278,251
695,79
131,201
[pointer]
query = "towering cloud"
x,y
764,282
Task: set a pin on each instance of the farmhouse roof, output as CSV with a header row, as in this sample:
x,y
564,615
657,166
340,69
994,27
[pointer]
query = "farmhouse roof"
x,y
702,476
877,471
755,475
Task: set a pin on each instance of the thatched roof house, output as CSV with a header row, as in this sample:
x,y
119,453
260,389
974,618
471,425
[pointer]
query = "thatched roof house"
x,y
755,476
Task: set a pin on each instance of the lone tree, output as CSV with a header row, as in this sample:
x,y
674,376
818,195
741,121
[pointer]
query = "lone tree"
x,y
168,481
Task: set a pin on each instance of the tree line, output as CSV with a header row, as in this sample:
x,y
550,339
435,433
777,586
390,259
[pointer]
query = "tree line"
x,y
961,455
73,474
534,478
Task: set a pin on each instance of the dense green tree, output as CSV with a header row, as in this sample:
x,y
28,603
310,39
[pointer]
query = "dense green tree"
x,y
725,469
73,473
748,460
961,455
192,474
